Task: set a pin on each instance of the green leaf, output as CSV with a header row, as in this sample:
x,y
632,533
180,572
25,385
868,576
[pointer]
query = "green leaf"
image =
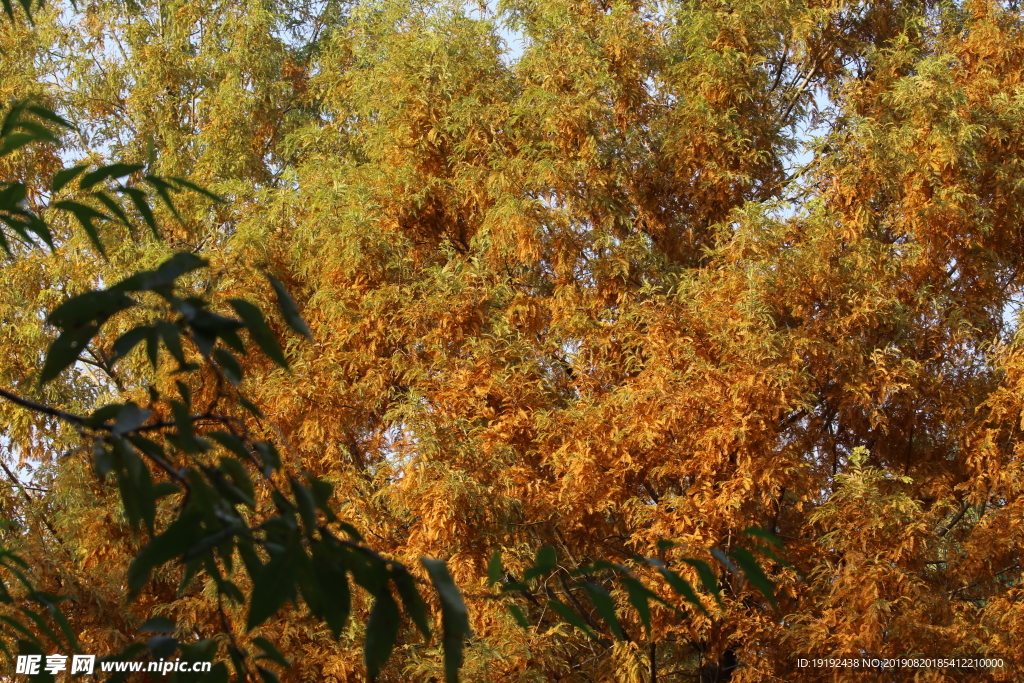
x,y
724,559
41,625
141,203
18,226
14,115
3,240
172,543
335,600
171,336
18,627
766,550
267,675
49,115
94,306
680,585
128,341
570,615
36,225
519,616
273,586
134,483
102,459
30,647
240,476
755,574
605,607
162,189
65,350
58,616
40,131
229,589
153,347
289,309
411,599
129,418
304,502
15,141
271,458
495,572
351,531
203,546
321,491
232,443
163,489
454,617
158,625
270,651
764,535
113,207
185,184
543,565
12,196
638,597
104,172
50,603
707,577
163,278
184,437
86,215
65,176
381,632
251,407
259,330
162,647
229,365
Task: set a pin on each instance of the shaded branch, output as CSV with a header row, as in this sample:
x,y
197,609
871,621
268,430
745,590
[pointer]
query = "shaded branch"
x,y
44,409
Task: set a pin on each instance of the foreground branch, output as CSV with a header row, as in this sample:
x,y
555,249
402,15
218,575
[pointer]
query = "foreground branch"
x,y
44,409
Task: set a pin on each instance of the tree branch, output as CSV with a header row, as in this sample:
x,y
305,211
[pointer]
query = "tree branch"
x,y
44,409
956,520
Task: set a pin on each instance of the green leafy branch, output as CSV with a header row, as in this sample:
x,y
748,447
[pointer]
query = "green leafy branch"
x,y
26,123
739,560
21,619
298,551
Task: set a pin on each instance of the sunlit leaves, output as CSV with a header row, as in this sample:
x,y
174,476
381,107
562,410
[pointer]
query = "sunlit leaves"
x,y
570,300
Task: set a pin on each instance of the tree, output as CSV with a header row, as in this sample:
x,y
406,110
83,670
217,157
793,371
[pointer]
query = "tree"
x,y
673,272
210,512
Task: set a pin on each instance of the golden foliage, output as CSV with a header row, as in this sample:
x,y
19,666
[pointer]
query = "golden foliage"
x,y
672,271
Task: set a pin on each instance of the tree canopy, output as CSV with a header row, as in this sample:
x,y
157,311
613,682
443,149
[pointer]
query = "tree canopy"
x,y
600,296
